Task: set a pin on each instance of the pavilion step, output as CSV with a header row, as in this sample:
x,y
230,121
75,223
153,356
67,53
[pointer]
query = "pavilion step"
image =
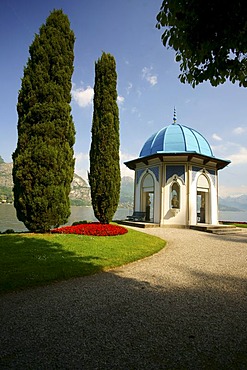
x,y
224,231
218,229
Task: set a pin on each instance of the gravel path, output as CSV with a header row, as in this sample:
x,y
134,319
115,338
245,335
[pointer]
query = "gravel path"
x,y
183,308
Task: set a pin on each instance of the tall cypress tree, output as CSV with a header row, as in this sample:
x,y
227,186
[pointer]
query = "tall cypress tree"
x,y
43,162
104,176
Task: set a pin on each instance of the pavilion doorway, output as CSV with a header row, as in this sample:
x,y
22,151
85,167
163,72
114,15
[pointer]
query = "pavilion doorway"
x,y
203,201
149,206
148,197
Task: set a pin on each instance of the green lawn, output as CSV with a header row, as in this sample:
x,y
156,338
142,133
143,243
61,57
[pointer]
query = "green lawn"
x,y
28,260
236,224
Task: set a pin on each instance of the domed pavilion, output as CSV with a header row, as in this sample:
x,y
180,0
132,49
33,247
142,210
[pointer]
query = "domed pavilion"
x,y
176,178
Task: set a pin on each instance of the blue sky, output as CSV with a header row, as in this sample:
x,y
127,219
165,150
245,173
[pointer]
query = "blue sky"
x,y
148,85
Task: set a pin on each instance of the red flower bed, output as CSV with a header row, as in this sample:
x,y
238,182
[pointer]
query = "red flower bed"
x,y
94,228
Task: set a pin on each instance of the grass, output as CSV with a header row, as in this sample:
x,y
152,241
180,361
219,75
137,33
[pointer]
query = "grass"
x,y
241,224
28,260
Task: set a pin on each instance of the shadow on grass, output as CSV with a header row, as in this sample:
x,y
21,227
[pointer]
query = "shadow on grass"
x,y
29,261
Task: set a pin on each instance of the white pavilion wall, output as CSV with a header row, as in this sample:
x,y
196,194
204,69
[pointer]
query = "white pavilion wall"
x,y
186,177
174,173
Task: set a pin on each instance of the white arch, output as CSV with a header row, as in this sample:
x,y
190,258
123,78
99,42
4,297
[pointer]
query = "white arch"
x,y
148,196
147,182
203,199
203,181
204,184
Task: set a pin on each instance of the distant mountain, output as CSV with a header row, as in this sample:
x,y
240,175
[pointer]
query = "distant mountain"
x,y
6,174
234,203
80,191
224,208
79,194
127,192
6,183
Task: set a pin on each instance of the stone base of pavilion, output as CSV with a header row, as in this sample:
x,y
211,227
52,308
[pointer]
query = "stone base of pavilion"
x,y
213,229
140,224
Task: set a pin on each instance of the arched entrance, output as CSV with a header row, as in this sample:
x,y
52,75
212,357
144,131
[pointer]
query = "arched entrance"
x,y
203,201
148,197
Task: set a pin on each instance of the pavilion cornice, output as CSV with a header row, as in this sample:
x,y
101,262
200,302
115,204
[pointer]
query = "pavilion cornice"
x,y
188,157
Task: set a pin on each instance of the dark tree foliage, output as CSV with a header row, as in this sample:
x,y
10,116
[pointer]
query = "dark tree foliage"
x,y
104,176
209,37
43,163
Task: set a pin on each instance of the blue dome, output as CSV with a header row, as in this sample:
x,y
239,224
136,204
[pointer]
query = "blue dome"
x,y
176,138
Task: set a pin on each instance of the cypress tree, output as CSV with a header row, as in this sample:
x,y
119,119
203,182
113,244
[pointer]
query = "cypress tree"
x,y
43,162
104,176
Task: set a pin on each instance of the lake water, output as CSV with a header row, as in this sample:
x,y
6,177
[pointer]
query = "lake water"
x,y
8,219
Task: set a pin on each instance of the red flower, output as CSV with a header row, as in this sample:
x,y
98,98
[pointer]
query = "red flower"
x,y
94,229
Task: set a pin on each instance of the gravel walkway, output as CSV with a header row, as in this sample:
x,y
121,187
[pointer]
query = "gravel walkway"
x,y
183,308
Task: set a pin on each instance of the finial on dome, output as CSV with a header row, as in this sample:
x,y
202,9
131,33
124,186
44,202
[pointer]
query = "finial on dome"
x,y
174,116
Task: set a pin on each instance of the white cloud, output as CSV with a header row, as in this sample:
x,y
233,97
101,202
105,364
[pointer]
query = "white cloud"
x,y
225,149
83,97
82,164
149,76
240,157
125,171
216,137
226,191
120,100
152,79
239,130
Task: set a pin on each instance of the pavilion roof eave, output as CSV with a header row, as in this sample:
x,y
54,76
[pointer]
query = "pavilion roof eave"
x,y
220,163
